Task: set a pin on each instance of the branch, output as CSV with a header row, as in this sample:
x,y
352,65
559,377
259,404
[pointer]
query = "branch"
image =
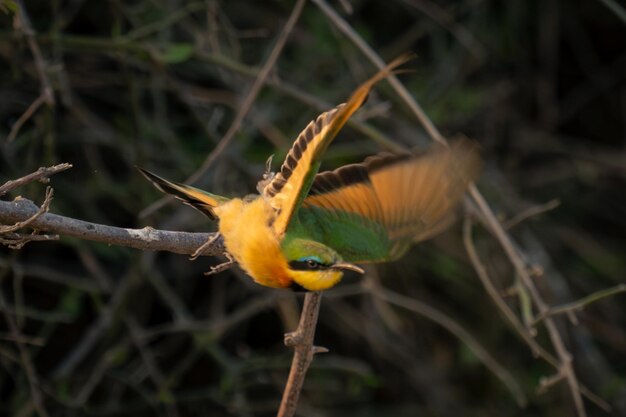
x,y
302,342
582,303
21,213
41,175
34,106
148,238
530,212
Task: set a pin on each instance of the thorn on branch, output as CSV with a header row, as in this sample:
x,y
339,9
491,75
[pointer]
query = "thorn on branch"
x,y
319,349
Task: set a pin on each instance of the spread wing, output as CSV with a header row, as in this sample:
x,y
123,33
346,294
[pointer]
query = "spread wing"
x,y
286,191
371,212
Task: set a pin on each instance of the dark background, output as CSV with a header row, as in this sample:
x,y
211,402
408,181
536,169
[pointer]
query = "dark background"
x,y
540,85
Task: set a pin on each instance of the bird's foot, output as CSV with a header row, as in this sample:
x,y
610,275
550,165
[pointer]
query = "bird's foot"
x,y
205,245
223,266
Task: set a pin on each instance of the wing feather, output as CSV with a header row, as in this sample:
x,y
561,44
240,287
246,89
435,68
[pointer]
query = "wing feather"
x,y
201,200
411,196
286,191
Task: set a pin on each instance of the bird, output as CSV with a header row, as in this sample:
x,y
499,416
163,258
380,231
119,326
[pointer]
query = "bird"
x,y
305,229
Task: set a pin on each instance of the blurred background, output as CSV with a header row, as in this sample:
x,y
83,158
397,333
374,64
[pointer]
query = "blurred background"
x,y
111,331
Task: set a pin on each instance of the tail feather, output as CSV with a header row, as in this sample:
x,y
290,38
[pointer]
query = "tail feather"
x,y
196,198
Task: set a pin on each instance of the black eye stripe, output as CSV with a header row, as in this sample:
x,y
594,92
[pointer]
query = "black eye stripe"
x,y
307,265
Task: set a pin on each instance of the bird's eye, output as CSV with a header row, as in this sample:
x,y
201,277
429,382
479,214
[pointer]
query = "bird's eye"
x,y
312,264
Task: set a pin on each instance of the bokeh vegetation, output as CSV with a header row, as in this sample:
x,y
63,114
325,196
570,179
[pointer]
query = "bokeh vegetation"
x,y
540,85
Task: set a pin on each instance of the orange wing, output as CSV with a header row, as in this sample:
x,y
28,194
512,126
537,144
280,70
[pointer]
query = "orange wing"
x,y
408,197
289,187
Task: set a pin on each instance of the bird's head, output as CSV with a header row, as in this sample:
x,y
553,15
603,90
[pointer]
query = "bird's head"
x,y
314,266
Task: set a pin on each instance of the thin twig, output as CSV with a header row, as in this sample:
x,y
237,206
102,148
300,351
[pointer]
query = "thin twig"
x,y
15,129
41,175
530,212
302,342
582,303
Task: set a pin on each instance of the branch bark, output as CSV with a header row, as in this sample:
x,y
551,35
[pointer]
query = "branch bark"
x,y
185,243
302,342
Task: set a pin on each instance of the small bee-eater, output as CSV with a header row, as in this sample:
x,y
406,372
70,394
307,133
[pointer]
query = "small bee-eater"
x,y
305,229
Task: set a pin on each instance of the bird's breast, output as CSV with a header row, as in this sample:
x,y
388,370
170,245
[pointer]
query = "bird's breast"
x,y
249,238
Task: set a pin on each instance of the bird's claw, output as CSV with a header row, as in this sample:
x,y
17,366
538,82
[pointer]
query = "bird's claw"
x,y
205,245
223,266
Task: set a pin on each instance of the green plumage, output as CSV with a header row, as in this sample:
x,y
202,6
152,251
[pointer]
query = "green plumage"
x,y
354,237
